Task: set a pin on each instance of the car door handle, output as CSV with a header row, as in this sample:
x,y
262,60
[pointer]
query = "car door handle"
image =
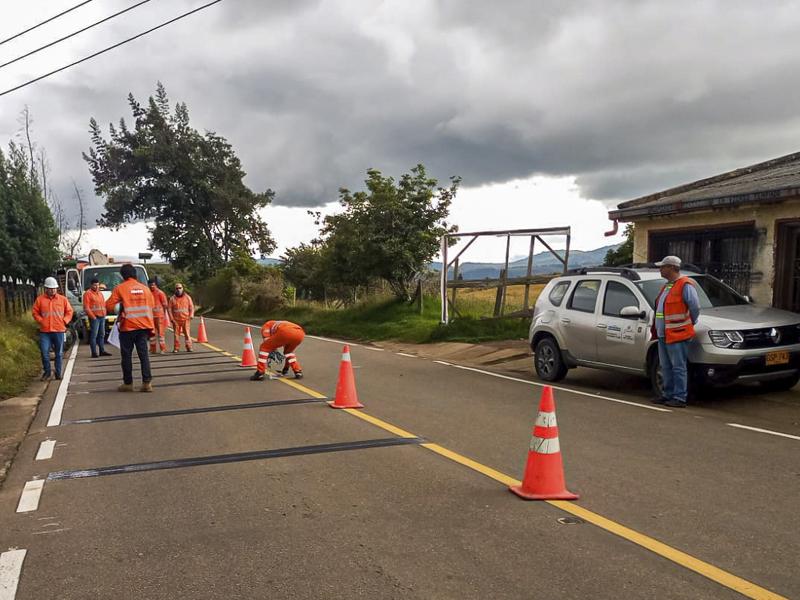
x,y
602,326
565,320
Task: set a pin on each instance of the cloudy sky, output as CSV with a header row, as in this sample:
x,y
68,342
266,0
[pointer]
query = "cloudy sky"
x,y
550,111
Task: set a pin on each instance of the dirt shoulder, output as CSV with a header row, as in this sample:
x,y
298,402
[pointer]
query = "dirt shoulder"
x,y
506,355
16,415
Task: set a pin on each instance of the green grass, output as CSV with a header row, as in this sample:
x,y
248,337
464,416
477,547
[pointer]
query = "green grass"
x,y
393,320
19,355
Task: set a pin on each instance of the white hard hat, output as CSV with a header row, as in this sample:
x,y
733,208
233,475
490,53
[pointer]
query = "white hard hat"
x,y
51,283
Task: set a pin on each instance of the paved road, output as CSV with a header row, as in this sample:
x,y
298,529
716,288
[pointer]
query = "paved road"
x,y
299,501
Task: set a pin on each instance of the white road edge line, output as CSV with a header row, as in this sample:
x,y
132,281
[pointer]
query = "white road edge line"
x,y
441,362
29,500
10,571
563,389
46,449
58,405
404,354
759,430
373,348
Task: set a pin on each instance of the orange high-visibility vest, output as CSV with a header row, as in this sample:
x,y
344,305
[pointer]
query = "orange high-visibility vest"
x,y
270,328
94,304
181,307
137,305
678,326
52,314
161,303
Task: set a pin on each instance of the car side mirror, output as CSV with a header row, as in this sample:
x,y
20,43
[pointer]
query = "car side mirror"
x,y
632,312
748,299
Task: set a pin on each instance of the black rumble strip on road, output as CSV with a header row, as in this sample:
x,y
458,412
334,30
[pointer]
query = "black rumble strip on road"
x,y
231,458
191,411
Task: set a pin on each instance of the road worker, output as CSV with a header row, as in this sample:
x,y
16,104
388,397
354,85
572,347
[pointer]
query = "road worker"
x,y
95,307
279,334
134,303
160,318
181,310
53,313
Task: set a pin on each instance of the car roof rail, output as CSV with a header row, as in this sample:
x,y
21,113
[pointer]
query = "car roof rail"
x,y
651,265
625,272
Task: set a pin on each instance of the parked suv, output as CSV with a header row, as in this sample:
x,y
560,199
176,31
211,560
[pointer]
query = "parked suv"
x,y
600,318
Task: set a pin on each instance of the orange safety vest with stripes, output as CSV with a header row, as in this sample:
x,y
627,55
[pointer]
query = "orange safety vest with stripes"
x,y
181,307
270,328
678,326
52,314
137,305
160,303
94,304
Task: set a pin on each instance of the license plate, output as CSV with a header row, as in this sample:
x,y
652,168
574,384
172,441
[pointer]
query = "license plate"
x,y
777,358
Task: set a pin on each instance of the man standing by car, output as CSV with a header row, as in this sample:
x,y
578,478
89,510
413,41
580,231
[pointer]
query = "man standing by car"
x,y
181,310
95,307
135,325
52,312
677,311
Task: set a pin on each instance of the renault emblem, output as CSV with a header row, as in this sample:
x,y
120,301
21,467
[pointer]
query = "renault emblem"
x,y
775,335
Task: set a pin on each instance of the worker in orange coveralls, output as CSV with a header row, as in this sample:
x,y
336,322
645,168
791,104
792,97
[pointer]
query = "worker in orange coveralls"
x,y
181,309
160,317
279,334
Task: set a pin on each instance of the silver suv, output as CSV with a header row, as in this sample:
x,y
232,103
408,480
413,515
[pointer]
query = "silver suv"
x,y
601,318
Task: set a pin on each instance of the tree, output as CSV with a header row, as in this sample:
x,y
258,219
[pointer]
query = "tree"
x,y
189,184
390,231
305,267
622,255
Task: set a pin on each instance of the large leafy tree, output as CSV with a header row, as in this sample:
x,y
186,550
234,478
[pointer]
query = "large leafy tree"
x,y
622,255
187,183
28,235
391,230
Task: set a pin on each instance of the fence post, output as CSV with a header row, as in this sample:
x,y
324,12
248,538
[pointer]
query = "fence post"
x,y
501,294
419,293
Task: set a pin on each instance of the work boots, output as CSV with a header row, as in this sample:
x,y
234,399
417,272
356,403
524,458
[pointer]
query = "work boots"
x,y
257,376
146,387
125,387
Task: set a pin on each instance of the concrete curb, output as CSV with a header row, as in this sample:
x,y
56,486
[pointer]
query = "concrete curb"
x,y
16,416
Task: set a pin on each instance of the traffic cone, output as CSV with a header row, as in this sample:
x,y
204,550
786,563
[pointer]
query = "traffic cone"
x,y
544,471
202,338
248,355
346,396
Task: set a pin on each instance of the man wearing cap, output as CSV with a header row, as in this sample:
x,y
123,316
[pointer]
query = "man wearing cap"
x,y
677,311
160,318
52,312
95,307
135,302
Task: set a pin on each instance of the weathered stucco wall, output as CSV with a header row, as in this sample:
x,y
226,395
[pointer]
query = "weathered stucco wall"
x,y
765,216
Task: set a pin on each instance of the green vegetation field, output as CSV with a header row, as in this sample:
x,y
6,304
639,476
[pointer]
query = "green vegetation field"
x,y
19,356
389,319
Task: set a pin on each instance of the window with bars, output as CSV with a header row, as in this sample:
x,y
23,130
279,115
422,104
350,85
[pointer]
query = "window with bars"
x,y
725,253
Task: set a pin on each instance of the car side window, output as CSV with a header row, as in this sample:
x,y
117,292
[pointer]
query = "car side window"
x,y
617,297
584,298
558,292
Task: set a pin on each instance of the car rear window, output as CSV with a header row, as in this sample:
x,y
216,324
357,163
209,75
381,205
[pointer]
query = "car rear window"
x,y
558,292
584,298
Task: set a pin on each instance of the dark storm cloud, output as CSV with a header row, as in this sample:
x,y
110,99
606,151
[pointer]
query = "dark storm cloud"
x,y
629,97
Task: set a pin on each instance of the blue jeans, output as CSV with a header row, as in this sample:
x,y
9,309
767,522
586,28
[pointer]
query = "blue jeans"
x,y
673,358
55,341
97,335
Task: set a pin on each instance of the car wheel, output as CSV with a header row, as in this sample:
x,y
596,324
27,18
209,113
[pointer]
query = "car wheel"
x,y
548,361
694,386
656,378
781,385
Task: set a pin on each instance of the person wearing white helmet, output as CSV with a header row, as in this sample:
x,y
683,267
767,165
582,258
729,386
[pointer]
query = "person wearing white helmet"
x,y
52,312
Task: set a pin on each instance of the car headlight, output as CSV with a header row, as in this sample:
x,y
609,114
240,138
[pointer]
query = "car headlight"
x,y
726,339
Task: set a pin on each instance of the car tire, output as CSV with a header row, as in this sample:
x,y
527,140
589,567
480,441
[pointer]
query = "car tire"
x,y
654,372
781,385
695,386
548,362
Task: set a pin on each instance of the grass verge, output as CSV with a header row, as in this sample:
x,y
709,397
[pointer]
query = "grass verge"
x,y
19,355
393,320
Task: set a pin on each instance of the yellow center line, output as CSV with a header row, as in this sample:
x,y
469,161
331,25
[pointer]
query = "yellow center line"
x,y
720,576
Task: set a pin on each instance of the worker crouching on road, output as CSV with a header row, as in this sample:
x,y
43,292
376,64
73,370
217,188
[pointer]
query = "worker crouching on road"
x,y
279,334
181,310
677,311
160,317
95,307
135,326
52,312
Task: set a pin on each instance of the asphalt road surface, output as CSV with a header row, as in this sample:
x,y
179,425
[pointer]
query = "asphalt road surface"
x,y
214,486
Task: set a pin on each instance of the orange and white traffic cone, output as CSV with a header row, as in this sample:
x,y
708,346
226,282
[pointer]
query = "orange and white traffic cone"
x,y
248,355
202,338
544,471
346,396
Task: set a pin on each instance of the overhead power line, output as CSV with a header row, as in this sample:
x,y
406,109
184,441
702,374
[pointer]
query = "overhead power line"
x,y
73,34
53,18
104,50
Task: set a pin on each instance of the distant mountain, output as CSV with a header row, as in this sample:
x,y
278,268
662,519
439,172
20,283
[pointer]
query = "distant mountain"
x,y
543,264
